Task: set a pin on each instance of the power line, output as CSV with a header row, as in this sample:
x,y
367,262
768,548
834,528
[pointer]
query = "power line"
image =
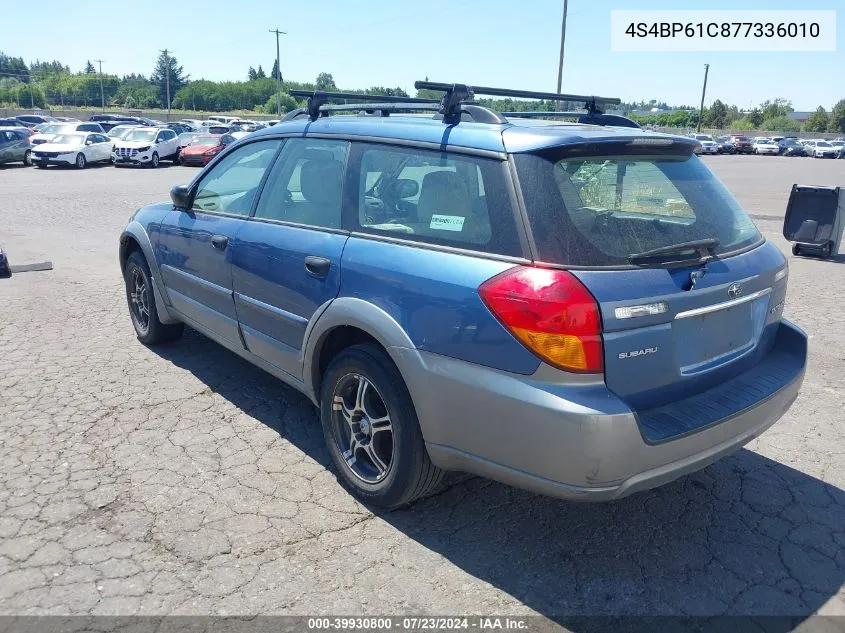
x,y
279,72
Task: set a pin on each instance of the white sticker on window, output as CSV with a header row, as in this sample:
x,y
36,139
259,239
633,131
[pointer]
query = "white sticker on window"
x,y
447,222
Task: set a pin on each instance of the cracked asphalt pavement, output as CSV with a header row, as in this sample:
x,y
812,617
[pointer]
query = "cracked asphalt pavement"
x,y
182,480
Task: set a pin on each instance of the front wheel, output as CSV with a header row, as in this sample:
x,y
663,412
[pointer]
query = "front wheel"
x,y
80,161
27,158
371,429
827,250
155,160
142,307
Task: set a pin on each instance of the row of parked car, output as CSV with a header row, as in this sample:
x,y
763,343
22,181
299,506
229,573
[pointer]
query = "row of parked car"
x,y
773,146
122,140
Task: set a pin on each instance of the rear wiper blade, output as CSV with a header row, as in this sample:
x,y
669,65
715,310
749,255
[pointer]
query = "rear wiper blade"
x,y
704,247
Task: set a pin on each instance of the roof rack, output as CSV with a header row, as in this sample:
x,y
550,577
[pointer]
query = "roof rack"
x,y
383,105
455,93
582,117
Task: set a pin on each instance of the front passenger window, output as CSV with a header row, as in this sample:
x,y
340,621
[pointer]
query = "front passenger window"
x,y
306,184
231,185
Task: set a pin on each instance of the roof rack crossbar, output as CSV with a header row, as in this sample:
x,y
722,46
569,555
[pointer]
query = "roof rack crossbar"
x,y
319,98
593,104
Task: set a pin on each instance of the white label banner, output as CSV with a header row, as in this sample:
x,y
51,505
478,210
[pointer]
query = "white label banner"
x,y
722,30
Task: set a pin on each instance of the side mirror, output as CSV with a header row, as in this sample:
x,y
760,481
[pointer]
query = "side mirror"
x,y
405,188
181,197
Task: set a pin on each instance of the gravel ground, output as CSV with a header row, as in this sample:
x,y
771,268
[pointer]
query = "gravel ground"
x,y
185,481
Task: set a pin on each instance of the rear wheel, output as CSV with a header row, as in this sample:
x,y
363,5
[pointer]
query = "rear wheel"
x,y
27,158
80,161
142,308
371,429
796,250
827,250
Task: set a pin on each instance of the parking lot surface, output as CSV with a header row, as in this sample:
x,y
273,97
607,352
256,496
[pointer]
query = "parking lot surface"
x,y
183,480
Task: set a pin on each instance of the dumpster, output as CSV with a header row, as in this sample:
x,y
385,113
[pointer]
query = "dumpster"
x,y
814,220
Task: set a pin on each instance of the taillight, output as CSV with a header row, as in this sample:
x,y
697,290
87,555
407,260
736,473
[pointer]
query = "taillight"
x,y
551,313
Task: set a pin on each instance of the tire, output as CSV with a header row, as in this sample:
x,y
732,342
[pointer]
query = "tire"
x,y
80,161
406,472
27,158
155,161
796,250
827,250
148,328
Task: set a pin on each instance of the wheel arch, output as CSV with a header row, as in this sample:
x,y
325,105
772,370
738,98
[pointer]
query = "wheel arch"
x,y
135,238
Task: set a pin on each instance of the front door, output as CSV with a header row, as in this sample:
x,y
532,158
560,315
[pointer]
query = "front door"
x,y
286,259
194,247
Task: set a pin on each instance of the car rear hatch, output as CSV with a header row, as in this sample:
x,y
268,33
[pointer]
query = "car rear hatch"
x,y
689,293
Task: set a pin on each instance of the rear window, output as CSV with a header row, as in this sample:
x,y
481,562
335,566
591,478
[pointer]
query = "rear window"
x,y
599,210
436,197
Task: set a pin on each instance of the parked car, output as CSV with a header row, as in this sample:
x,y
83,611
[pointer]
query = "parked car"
x,y
214,129
119,132
225,120
390,280
146,146
108,121
179,128
77,149
766,146
203,148
792,147
15,146
706,144
823,149
13,123
839,146
50,130
724,145
31,120
741,144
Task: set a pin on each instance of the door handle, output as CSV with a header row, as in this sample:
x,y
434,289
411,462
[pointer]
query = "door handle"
x,y
219,241
317,266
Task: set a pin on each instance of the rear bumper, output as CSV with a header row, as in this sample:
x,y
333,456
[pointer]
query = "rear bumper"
x,y
577,440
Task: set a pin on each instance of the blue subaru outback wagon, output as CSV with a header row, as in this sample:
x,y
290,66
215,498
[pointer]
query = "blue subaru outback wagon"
x,y
577,308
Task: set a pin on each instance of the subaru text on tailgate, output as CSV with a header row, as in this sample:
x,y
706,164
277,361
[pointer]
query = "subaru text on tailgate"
x,y
578,309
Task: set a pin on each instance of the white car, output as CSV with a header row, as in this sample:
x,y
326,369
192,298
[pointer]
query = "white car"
x,y
766,146
118,132
49,130
706,144
77,148
823,149
146,146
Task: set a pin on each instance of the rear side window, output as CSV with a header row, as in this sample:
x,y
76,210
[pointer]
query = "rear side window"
x,y
599,210
435,197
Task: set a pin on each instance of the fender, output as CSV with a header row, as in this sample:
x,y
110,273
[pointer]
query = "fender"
x,y
349,311
136,231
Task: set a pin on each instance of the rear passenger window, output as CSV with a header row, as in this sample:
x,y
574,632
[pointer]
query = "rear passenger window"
x,y
436,197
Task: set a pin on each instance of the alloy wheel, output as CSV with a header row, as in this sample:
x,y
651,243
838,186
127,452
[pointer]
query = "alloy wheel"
x,y
139,298
363,431
27,158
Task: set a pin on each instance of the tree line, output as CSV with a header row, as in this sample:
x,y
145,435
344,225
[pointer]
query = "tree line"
x,y
43,84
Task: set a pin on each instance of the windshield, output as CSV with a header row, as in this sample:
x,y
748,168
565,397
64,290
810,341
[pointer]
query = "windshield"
x,y
53,128
207,141
69,139
823,144
140,135
118,132
599,210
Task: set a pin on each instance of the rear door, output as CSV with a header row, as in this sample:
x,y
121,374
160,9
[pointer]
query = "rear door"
x,y
672,326
194,247
286,258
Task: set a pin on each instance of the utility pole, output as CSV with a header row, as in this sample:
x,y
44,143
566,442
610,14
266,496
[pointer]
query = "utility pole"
x,y
562,41
102,94
167,80
279,76
703,90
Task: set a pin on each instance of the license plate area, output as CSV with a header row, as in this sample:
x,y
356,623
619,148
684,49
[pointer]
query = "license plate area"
x,y
705,341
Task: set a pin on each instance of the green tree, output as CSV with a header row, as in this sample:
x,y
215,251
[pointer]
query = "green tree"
x,y
780,124
837,117
251,74
178,78
288,103
717,115
259,74
817,121
756,117
274,74
89,67
325,81
745,123
13,67
777,108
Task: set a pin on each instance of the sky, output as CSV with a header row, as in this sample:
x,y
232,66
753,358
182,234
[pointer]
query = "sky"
x,y
500,43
